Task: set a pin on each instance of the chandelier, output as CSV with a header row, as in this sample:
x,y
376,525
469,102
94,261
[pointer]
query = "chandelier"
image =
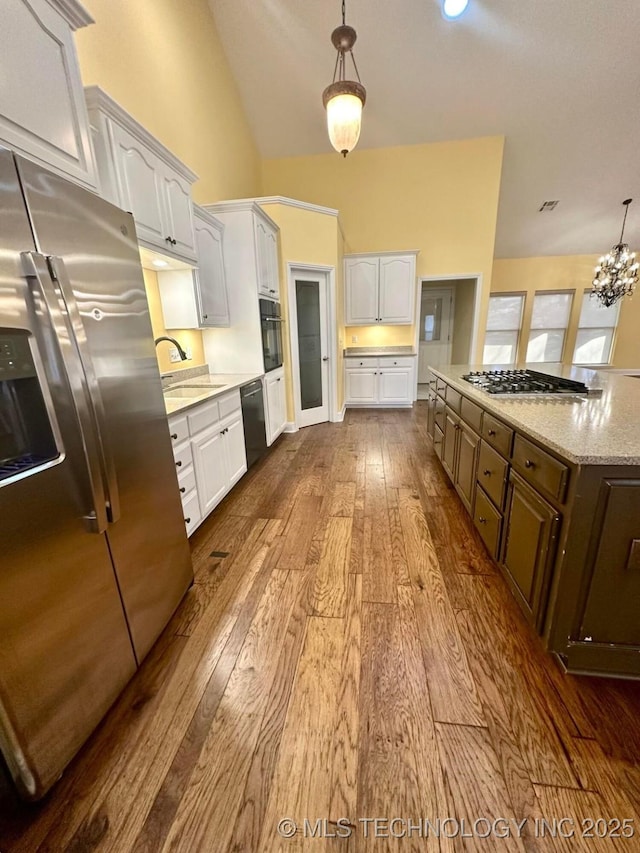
x,y
617,271
344,99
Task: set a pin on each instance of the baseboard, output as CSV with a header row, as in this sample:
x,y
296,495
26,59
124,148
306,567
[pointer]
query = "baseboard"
x,y
339,416
290,426
379,405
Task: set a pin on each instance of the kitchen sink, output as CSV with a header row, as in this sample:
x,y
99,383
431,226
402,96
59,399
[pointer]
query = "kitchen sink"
x,y
189,390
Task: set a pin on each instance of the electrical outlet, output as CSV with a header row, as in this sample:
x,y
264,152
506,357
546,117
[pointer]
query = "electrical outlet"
x,y
354,339
174,355
189,353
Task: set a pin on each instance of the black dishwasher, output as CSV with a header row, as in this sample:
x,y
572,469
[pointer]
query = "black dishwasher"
x,y
255,433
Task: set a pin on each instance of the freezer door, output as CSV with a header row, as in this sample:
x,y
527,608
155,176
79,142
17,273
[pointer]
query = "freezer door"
x,y
65,651
97,265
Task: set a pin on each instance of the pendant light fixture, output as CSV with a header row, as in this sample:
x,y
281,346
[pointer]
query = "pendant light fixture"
x,y
344,99
617,272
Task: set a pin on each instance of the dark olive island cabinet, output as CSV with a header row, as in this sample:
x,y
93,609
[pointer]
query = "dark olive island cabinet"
x,y
563,529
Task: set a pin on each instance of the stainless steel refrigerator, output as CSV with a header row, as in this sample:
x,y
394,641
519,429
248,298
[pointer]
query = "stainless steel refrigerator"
x,y
94,557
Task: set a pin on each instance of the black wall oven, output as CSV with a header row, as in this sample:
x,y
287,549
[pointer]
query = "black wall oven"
x,y
271,323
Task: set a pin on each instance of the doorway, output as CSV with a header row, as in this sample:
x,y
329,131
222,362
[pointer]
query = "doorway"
x,y
446,333
310,305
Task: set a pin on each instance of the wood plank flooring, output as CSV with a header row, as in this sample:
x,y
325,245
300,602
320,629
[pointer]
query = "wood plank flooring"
x,y
347,652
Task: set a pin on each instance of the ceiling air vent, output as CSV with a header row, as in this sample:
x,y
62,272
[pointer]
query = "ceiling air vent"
x,y
548,205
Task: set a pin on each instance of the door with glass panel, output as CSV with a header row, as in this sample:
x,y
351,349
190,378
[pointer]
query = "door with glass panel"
x,y
436,320
312,349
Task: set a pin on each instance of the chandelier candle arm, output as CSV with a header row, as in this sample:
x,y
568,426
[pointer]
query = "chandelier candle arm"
x,y
616,274
344,99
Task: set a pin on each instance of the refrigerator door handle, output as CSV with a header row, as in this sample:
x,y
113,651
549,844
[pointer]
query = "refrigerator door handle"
x,y
60,275
35,267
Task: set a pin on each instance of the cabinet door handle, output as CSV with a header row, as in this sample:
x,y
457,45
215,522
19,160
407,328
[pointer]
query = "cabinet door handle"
x,y
174,435
279,379
188,520
361,363
174,242
167,239
491,432
487,472
205,316
178,464
482,520
528,463
272,291
183,489
325,358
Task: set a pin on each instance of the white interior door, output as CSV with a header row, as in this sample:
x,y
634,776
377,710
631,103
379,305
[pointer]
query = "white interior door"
x,y
311,348
436,328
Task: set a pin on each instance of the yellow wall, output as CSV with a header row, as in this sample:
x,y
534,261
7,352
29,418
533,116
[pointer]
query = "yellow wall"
x,y
306,237
188,338
440,198
163,61
568,272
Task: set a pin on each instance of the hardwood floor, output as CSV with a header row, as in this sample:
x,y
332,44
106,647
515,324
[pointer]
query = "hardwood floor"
x,y
347,652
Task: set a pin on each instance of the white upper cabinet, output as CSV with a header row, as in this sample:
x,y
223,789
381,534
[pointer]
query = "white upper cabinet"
x,y
142,176
42,109
251,249
380,289
198,299
210,278
361,288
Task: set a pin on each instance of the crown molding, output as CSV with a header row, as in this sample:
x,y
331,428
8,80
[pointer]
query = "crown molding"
x,y
97,99
294,202
383,254
238,205
73,12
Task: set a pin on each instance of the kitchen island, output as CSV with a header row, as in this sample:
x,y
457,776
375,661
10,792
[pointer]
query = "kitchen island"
x,y
553,487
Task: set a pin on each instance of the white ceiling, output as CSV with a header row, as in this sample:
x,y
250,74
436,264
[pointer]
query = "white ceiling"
x,y
559,78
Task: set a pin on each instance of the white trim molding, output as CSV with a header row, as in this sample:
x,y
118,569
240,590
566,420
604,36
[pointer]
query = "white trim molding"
x,y
339,416
290,426
295,202
73,12
384,254
329,273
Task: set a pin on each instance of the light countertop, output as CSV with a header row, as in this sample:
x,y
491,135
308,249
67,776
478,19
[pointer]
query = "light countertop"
x,y
226,381
354,352
589,431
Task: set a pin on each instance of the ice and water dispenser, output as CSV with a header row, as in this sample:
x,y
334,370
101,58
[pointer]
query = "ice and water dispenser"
x,y
26,437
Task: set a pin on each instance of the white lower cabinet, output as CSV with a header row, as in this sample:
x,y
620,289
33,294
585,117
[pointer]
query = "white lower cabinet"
x,y
383,381
212,458
276,404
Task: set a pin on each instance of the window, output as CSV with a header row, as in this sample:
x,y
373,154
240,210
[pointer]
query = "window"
x,y
431,317
595,331
503,328
549,321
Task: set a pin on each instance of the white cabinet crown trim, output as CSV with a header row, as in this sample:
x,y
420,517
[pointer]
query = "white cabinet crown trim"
x,y
97,99
381,254
73,12
295,202
241,205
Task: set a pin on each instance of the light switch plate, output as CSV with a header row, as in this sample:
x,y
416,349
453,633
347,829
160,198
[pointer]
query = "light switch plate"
x,y
174,355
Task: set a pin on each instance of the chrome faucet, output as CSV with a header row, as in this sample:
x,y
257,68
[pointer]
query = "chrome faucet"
x,y
181,352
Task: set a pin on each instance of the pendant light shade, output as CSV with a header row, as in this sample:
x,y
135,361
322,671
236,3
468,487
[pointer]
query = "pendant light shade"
x,y
344,99
616,274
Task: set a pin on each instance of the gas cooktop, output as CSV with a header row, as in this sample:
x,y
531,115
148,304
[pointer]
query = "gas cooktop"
x,y
526,382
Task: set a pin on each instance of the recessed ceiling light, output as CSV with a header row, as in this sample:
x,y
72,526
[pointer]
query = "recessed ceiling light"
x,y
160,263
452,9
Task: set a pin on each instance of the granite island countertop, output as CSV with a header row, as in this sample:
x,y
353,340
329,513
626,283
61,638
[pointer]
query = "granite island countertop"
x,y
225,381
602,430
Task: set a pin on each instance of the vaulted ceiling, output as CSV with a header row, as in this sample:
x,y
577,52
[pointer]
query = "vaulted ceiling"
x,y
560,79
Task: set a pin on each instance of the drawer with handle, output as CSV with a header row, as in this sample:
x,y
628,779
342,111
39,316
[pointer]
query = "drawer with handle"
x,y
438,437
499,435
178,429
471,413
396,361
439,413
186,481
191,510
441,386
543,471
488,521
364,361
453,398
492,474
182,456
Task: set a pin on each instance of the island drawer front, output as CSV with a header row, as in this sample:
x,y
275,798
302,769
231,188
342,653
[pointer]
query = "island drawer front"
x,y
471,413
492,474
453,398
488,521
438,437
499,435
178,429
363,361
540,469
440,386
439,416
